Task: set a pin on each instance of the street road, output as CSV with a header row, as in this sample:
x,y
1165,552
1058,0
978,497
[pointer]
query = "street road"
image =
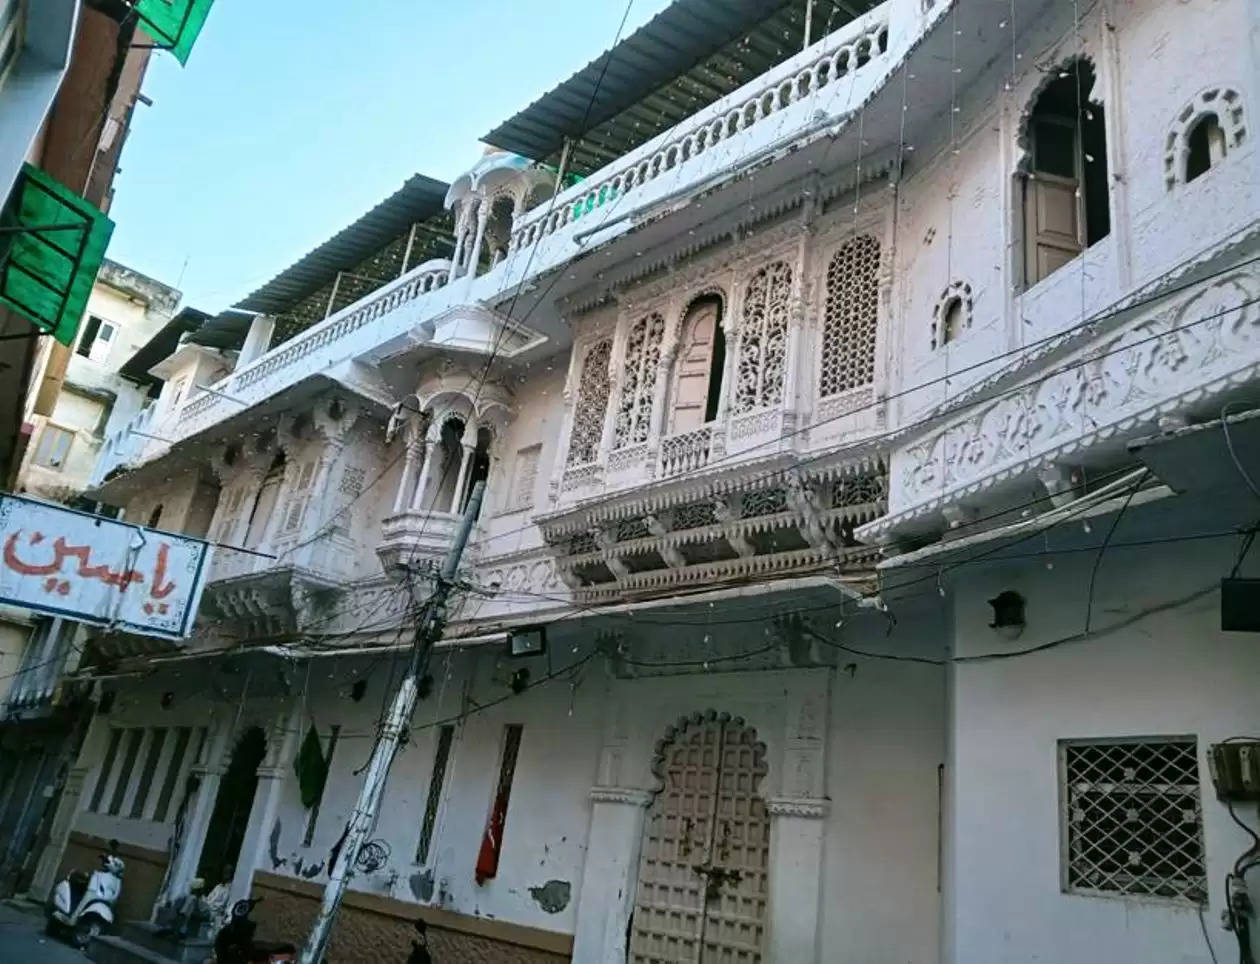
x,y
22,939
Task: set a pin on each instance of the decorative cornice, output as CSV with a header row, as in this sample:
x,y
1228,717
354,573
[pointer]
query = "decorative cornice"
x,y
809,807
630,796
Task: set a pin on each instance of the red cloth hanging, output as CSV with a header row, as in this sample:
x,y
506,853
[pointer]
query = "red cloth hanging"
x,y
492,840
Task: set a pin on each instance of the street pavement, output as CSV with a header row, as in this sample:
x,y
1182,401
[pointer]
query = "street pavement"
x,y
22,940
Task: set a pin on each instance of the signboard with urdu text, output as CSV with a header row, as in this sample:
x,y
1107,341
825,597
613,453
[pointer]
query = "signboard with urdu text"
x,y
97,570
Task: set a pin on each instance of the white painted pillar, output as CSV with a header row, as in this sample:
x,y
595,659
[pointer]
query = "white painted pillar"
x,y
610,874
257,339
208,773
411,455
474,255
426,470
274,770
465,465
795,878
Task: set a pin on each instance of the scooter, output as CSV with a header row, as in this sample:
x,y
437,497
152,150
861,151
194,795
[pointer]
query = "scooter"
x,y
235,944
84,905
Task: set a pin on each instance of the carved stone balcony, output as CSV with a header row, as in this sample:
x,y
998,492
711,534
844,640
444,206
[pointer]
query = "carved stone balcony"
x,y
657,539
415,540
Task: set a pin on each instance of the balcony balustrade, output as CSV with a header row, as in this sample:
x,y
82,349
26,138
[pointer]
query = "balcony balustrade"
x,y
817,87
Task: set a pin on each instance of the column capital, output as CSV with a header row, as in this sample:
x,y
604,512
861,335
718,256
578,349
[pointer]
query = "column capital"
x,y
628,796
810,807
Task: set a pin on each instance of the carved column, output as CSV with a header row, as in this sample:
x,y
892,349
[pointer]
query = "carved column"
x,y
469,445
412,453
256,847
461,237
797,817
792,359
610,873
426,470
474,255
656,428
206,775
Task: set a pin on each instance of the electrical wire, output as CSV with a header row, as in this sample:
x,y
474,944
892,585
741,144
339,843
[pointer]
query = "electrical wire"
x,y
870,441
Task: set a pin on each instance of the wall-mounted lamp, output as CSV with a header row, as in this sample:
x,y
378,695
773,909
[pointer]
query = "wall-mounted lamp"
x,y
1008,614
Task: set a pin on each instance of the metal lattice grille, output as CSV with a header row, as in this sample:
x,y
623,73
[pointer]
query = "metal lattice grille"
x,y
848,344
1133,818
643,355
592,403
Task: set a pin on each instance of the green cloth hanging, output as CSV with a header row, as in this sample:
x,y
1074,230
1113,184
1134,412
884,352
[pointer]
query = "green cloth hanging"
x,y
311,768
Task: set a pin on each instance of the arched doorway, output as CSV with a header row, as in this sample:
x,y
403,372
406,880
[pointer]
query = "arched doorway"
x,y
235,799
706,847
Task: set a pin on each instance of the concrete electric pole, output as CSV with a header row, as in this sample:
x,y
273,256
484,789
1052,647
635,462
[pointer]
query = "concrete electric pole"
x,y
428,631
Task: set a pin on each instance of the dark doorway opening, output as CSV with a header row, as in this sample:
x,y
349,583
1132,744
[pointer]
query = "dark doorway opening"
x,y
232,805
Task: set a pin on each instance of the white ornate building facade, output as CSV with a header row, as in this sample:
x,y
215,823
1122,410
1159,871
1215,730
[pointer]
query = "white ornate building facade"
x,y
871,443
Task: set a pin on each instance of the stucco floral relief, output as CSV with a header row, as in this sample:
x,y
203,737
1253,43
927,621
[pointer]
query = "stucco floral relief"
x,y
1211,334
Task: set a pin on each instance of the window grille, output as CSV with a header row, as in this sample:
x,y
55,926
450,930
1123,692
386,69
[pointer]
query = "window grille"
x,y
859,490
763,502
763,338
107,769
592,403
1133,819
643,355
154,753
183,735
582,543
693,516
849,319
445,736
295,511
629,529
134,736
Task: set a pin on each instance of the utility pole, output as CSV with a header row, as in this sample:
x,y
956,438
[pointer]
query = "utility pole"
x,y
428,631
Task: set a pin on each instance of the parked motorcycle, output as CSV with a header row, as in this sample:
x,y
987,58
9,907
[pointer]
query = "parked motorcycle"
x,y
84,905
235,944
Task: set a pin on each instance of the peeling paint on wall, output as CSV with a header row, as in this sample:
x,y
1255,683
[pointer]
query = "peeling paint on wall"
x,y
553,896
274,847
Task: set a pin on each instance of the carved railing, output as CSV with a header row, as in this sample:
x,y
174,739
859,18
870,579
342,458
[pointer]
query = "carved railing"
x,y
686,451
837,56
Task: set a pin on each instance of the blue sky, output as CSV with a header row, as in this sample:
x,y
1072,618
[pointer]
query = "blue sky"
x,y
293,117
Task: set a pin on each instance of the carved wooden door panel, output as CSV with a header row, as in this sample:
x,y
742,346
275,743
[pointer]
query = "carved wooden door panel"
x,y
695,363
1052,199
702,869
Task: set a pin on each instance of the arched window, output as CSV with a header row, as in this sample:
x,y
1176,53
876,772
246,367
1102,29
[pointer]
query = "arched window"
x,y
479,470
952,314
265,501
848,342
1066,206
697,387
1205,146
1205,131
763,338
592,403
643,355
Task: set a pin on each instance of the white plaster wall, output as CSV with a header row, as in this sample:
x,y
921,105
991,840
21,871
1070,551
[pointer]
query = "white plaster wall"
x,y
880,899
1171,674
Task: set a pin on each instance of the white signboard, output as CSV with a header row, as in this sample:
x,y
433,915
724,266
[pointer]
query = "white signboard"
x,y
99,570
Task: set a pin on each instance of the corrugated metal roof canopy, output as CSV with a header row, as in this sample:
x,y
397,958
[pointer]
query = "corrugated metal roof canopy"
x,y
689,55
419,199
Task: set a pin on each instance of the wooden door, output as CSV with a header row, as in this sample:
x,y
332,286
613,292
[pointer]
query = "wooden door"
x,y
703,866
690,398
1054,231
